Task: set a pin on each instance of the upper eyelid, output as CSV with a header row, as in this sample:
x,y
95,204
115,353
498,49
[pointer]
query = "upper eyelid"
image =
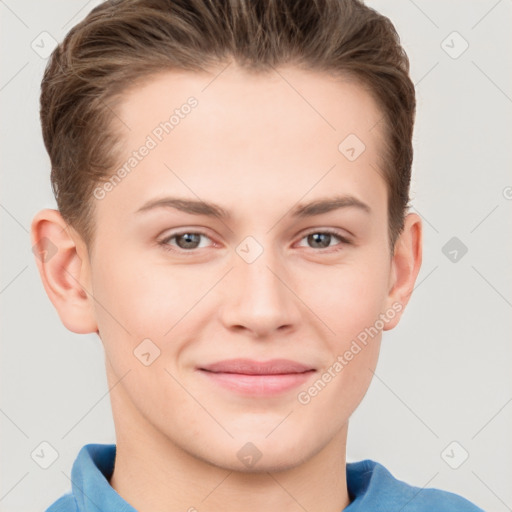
x,y
333,231
184,232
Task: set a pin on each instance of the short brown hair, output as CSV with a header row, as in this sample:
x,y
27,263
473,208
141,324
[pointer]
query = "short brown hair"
x,y
123,43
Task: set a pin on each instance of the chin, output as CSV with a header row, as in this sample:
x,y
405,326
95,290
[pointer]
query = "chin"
x,y
254,453
269,462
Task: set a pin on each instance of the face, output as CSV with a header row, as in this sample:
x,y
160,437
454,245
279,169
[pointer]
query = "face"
x,y
265,274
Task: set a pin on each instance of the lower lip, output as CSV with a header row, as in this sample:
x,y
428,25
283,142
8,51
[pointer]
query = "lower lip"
x,y
259,384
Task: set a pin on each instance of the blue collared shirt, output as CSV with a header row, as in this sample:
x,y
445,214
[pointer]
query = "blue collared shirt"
x,y
371,488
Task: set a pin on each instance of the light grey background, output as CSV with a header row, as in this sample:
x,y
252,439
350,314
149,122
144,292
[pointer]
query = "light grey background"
x,y
444,372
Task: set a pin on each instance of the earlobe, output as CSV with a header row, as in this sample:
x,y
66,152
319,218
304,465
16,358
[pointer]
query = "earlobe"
x,y
65,275
405,266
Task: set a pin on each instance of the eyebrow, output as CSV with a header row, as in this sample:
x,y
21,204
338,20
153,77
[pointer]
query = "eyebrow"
x,y
198,207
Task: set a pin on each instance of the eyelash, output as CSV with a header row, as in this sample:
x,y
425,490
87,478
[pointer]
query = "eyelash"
x,y
164,243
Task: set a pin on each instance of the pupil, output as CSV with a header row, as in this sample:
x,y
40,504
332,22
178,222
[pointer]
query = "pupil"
x,y
316,236
189,239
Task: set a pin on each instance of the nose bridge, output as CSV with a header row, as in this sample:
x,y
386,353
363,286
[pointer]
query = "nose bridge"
x,y
259,299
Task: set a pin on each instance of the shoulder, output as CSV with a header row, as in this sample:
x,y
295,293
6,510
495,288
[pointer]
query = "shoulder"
x,y
373,487
65,503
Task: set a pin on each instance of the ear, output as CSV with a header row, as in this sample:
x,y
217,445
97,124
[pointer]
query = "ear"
x,y
405,266
63,264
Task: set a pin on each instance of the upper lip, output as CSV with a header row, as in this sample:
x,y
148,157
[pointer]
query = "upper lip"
x,y
250,367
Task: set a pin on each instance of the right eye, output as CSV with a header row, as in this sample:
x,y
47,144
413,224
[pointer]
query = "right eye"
x,y
186,241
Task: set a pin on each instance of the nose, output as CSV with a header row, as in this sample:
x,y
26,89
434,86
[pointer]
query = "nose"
x,y
260,298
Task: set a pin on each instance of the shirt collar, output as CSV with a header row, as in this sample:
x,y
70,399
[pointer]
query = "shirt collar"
x,y
94,466
90,476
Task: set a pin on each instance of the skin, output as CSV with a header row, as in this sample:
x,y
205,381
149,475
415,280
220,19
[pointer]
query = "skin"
x,y
258,148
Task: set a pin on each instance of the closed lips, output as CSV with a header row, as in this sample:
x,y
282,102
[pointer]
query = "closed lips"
x,y
251,367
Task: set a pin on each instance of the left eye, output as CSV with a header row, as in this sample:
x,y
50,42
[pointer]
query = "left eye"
x,y
322,239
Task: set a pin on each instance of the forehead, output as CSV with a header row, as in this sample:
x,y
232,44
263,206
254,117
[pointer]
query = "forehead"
x,y
284,131
239,98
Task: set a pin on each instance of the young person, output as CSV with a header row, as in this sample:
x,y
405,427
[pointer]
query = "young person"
x,y
232,181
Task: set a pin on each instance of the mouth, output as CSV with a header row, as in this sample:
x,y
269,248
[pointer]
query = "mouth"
x,y
249,377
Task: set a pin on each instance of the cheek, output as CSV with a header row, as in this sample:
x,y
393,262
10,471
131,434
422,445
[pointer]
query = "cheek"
x,y
351,298
153,301
139,296
131,304
351,308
